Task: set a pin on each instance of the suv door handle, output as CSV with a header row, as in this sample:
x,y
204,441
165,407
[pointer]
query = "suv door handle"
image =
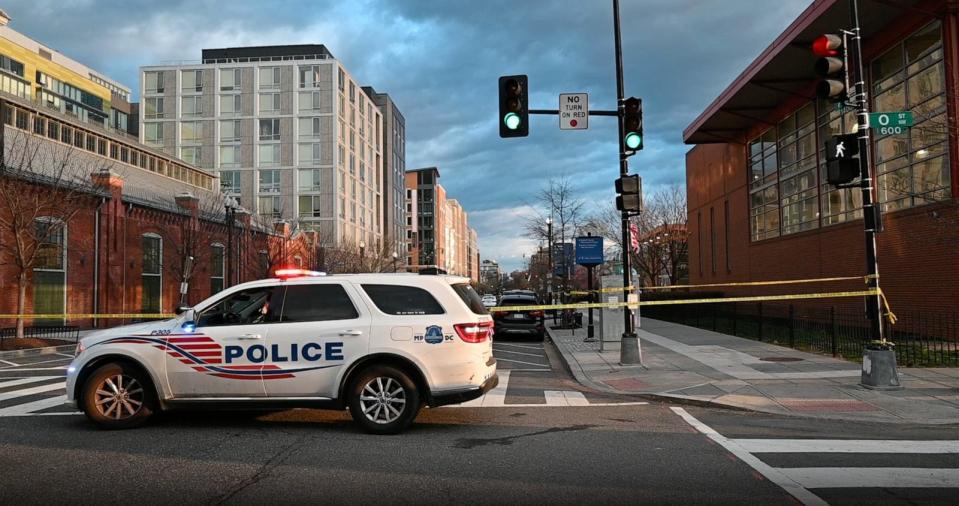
x,y
249,337
351,333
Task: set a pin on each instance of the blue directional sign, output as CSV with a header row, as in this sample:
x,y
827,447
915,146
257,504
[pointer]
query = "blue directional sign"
x,y
589,250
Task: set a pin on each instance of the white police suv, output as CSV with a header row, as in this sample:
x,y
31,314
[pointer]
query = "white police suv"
x,y
381,345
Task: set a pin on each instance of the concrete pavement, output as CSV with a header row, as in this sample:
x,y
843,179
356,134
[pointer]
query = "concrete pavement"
x,y
700,366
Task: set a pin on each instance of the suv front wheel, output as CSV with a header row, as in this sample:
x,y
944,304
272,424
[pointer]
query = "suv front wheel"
x,y
117,396
383,400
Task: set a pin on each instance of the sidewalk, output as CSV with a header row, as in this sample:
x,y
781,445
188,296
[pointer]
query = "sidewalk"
x,y
686,363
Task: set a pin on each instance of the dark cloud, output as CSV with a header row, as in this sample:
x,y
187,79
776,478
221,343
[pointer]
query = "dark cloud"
x,y
440,61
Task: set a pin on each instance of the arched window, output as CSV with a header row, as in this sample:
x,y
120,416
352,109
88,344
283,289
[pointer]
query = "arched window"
x,y
217,256
152,277
50,269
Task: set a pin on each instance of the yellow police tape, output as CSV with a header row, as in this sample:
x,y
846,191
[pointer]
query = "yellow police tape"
x,y
90,315
632,305
713,285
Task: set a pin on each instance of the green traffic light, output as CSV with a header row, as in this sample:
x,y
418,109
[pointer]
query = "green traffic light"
x,y
633,140
512,120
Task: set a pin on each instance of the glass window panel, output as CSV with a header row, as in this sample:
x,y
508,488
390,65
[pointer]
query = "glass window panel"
x,y
887,64
925,85
920,42
893,99
931,180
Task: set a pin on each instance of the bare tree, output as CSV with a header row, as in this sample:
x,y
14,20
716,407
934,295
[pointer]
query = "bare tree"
x,y
558,210
43,186
349,257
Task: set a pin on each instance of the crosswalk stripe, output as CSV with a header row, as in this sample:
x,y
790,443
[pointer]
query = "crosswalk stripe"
x,y
14,364
28,407
565,398
496,396
31,391
24,381
518,361
868,477
845,446
521,353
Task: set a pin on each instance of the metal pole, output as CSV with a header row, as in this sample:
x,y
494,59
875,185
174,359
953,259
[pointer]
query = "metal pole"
x,y
590,335
629,347
229,246
549,256
869,210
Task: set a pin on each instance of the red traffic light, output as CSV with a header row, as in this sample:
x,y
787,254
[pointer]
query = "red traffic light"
x,y
827,45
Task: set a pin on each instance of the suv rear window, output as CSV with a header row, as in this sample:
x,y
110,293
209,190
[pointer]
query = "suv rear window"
x,y
470,298
518,301
402,300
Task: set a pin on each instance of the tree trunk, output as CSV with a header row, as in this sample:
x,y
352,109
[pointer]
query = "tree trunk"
x,y
21,301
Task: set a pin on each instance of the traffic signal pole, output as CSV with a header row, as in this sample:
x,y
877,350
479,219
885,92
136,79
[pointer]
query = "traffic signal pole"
x,y
629,346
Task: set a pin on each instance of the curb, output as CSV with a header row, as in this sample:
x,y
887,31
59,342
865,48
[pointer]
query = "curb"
x,y
29,352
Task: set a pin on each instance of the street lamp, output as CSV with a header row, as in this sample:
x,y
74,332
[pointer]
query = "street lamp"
x,y
549,255
362,256
394,261
231,205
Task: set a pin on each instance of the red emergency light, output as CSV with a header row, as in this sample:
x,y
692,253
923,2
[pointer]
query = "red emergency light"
x,y
288,273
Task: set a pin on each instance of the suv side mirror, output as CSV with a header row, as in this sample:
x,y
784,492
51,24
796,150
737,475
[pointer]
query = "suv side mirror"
x,y
182,309
189,319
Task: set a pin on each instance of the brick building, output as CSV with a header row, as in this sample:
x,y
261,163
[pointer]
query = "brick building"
x,y
759,206
438,227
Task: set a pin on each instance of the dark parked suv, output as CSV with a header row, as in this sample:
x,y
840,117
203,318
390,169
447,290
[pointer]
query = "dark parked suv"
x,y
519,323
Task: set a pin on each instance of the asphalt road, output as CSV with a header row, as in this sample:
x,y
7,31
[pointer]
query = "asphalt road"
x,y
542,438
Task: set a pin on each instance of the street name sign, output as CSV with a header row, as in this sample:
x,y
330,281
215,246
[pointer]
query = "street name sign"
x,y
573,111
889,123
589,250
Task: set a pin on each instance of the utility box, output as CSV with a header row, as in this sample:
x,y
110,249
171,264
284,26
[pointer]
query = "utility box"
x,y
611,318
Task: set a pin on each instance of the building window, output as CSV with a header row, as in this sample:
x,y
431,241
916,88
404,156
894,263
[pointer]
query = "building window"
x,y
50,268
269,155
217,262
191,106
309,76
229,79
11,65
230,130
712,240
153,107
837,205
152,134
763,189
152,277
190,131
270,206
269,77
913,167
699,239
230,181
729,268
310,206
270,181
229,105
229,156
797,171
190,154
191,81
154,82
309,101
269,129
309,128
309,154
308,180
269,103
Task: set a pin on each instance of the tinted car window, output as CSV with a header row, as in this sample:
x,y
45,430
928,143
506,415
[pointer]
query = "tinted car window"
x,y
247,307
314,303
470,298
403,300
518,301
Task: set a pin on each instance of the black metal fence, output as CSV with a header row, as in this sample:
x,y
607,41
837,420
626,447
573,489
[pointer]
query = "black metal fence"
x,y
66,333
922,339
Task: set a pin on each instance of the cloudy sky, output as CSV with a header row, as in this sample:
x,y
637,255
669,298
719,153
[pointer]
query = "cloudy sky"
x,y
440,60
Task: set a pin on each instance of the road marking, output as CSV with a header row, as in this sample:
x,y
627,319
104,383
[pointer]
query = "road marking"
x,y
520,353
845,446
26,408
71,357
880,477
592,405
34,369
24,381
40,362
515,369
518,362
31,391
789,484
565,398
14,364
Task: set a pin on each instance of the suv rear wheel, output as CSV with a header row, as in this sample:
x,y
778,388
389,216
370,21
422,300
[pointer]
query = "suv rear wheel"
x,y
117,396
383,400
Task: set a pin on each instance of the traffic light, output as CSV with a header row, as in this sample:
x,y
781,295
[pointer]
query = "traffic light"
x,y
842,166
630,190
832,66
633,125
513,106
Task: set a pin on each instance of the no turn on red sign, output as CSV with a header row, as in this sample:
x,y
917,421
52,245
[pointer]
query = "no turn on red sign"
x,y
573,111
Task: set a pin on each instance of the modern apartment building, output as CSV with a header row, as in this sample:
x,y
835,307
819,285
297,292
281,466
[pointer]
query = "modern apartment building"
x,y
39,74
438,228
490,272
394,172
288,130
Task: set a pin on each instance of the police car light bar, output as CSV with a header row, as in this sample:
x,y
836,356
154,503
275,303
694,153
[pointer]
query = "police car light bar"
x,y
296,273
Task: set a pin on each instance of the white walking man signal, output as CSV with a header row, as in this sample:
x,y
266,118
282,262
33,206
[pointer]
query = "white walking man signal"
x,y
840,149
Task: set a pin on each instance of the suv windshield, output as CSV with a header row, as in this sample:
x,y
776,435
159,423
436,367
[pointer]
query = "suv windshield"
x,y
470,298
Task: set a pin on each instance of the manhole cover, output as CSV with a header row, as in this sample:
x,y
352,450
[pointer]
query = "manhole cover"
x,y
781,359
